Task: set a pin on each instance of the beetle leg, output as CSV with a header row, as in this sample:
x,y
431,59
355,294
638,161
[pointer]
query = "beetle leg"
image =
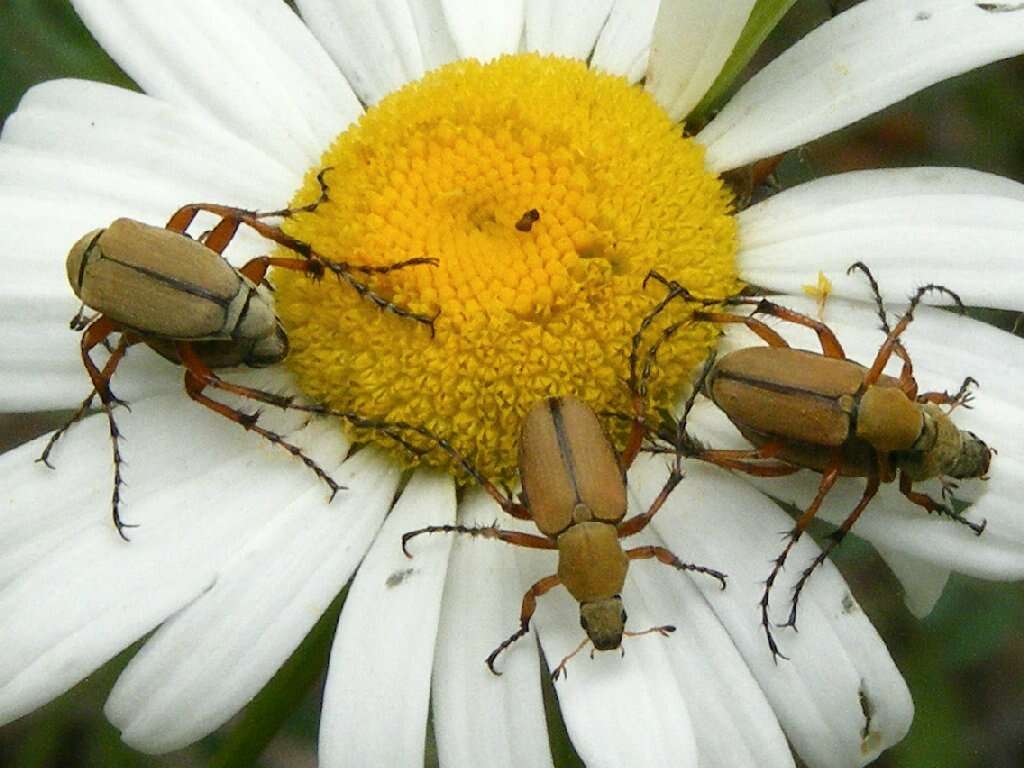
x,y
892,341
828,479
198,377
963,397
830,345
835,539
759,462
182,219
754,468
96,334
515,538
343,273
665,556
117,353
933,507
44,457
503,500
529,606
637,523
256,269
761,329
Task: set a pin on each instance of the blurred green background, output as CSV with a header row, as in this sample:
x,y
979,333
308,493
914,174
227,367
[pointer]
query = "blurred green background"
x,y
964,663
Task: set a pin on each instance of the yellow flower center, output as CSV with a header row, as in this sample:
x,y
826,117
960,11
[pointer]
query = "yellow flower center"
x,y
546,192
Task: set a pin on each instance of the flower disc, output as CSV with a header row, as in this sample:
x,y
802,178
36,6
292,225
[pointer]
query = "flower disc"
x,y
546,192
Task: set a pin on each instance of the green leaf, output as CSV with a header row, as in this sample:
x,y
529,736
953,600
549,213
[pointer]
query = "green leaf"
x,y
44,39
763,18
282,695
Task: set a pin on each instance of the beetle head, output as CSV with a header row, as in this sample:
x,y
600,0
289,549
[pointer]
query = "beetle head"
x,y
944,450
974,458
604,621
268,350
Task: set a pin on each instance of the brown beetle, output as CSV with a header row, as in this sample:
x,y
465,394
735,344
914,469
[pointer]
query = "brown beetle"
x,y
574,491
179,296
827,413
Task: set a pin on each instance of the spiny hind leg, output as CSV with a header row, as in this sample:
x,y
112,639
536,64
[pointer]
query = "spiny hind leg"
x,y
97,333
526,613
835,539
828,480
198,377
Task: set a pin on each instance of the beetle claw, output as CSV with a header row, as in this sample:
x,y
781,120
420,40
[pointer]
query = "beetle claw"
x,y
335,487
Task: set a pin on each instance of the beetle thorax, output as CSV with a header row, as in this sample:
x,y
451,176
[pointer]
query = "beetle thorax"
x,y
591,563
890,421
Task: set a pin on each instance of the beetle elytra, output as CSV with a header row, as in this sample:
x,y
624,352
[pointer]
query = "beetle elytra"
x,y
574,491
825,412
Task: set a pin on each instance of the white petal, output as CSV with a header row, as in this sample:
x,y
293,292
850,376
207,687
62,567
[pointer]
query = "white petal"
x,y
436,43
207,662
654,729
692,39
480,719
375,44
253,66
378,685
863,60
158,144
945,349
195,504
923,582
838,663
565,27
912,226
75,495
732,720
625,42
485,30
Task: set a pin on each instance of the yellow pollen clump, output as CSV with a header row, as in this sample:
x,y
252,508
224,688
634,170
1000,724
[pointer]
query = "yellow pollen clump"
x,y
546,192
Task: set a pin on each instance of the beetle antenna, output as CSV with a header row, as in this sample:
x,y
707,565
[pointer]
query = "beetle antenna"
x,y
560,670
287,213
900,349
919,294
664,630
875,291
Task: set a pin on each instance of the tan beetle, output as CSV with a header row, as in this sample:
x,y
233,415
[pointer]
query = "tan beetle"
x,y
827,413
574,491
179,296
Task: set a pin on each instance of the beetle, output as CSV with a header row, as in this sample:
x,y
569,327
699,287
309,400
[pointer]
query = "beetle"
x,y
825,412
179,296
574,491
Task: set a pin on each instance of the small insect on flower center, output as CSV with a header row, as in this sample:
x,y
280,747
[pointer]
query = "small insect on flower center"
x,y
546,192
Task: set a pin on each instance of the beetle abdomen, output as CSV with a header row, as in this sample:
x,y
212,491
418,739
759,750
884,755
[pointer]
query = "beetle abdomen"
x,y
154,280
789,393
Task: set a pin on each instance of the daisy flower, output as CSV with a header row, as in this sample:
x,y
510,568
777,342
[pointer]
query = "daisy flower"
x,y
445,123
